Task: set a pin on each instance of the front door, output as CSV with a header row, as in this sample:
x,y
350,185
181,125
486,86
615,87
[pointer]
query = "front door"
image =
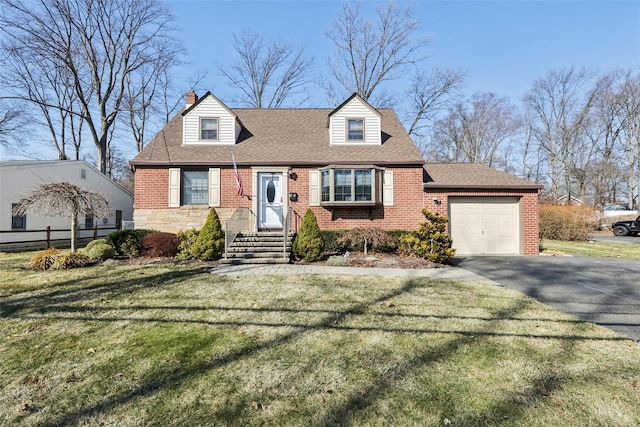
x,y
270,201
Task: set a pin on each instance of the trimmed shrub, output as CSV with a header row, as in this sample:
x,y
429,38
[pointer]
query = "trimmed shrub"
x,y
210,242
70,260
567,222
159,244
308,244
187,240
330,240
127,242
99,250
370,237
44,260
430,242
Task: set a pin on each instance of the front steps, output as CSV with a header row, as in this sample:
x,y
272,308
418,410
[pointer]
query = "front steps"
x,y
258,248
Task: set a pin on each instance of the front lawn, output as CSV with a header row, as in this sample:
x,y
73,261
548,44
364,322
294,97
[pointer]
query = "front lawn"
x,y
165,344
599,249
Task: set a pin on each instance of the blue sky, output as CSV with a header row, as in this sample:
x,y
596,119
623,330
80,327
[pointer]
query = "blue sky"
x,y
503,45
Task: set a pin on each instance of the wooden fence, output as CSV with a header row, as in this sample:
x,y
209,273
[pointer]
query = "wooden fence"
x,y
83,235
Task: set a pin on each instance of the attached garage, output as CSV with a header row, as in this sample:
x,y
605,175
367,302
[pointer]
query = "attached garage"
x,y
490,212
485,225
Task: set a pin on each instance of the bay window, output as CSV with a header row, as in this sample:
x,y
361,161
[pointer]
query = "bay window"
x,y
347,186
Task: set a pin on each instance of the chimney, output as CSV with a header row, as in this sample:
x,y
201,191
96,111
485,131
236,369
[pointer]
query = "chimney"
x,y
191,98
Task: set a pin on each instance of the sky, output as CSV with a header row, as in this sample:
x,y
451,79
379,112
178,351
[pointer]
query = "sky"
x,y
503,45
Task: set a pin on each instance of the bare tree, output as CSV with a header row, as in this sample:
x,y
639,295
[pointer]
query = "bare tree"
x,y
478,131
430,93
561,107
268,73
628,101
367,53
12,121
63,199
97,44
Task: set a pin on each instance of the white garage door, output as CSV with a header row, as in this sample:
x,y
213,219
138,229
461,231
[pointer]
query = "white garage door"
x,y
485,225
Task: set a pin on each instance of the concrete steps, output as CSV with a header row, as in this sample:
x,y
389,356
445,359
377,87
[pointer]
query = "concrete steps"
x,y
258,248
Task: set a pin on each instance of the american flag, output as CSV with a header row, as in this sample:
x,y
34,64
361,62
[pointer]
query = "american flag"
x,y
239,186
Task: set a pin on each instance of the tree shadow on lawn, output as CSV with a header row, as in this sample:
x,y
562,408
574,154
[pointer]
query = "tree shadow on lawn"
x,y
355,404
109,286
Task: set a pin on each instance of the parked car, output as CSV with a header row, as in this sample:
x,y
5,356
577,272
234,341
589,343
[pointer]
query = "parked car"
x,y
626,228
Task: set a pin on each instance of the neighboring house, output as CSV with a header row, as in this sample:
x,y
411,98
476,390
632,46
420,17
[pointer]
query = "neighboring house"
x,y
18,178
354,166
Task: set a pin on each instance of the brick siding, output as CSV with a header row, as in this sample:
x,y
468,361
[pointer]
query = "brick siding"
x,y
529,214
151,204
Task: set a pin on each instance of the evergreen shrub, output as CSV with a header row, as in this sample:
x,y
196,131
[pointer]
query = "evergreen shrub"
x,y
210,242
430,241
308,244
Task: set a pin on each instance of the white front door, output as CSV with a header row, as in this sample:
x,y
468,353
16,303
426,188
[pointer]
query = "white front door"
x,y
270,201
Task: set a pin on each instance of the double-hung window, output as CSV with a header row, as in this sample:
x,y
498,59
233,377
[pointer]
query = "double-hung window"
x,y
355,129
209,129
348,186
195,188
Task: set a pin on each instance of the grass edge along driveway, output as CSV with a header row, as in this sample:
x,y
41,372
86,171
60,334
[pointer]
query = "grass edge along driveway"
x,y
174,345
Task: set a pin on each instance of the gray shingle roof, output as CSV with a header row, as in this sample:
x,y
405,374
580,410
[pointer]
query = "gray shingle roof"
x,y
472,176
282,137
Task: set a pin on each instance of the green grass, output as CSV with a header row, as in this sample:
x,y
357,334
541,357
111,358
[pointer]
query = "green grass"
x,y
599,249
174,345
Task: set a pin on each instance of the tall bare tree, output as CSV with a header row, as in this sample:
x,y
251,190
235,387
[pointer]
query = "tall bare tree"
x,y
369,53
431,92
628,101
97,43
268,73
479,130
561,107
63,199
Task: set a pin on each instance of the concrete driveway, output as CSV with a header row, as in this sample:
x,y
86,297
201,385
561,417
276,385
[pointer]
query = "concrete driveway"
x,y
605,291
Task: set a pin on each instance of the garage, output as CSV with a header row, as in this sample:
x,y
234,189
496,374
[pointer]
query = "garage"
x,y
485,225
490,212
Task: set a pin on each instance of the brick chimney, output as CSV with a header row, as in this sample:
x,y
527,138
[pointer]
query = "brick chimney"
x,y
191,98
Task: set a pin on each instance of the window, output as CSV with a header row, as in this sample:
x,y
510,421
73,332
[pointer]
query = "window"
x,y
18,222
348,186
195,188
209,129
88,221
355,129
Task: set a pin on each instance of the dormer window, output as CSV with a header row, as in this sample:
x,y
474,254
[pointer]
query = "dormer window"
x,y
209,129
355,129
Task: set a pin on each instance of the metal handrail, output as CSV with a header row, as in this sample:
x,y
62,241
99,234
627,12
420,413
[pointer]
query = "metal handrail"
x,y
239,221
286,229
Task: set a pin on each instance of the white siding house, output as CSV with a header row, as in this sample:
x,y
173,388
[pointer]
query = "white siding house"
x,y
18,178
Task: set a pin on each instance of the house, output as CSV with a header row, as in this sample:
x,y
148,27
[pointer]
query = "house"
x,y
354,166
18,178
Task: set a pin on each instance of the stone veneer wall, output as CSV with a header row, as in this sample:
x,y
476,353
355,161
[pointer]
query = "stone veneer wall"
x,y
173,220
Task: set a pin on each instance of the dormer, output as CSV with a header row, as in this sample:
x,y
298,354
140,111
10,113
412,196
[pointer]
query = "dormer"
x,y
208,121
355,121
